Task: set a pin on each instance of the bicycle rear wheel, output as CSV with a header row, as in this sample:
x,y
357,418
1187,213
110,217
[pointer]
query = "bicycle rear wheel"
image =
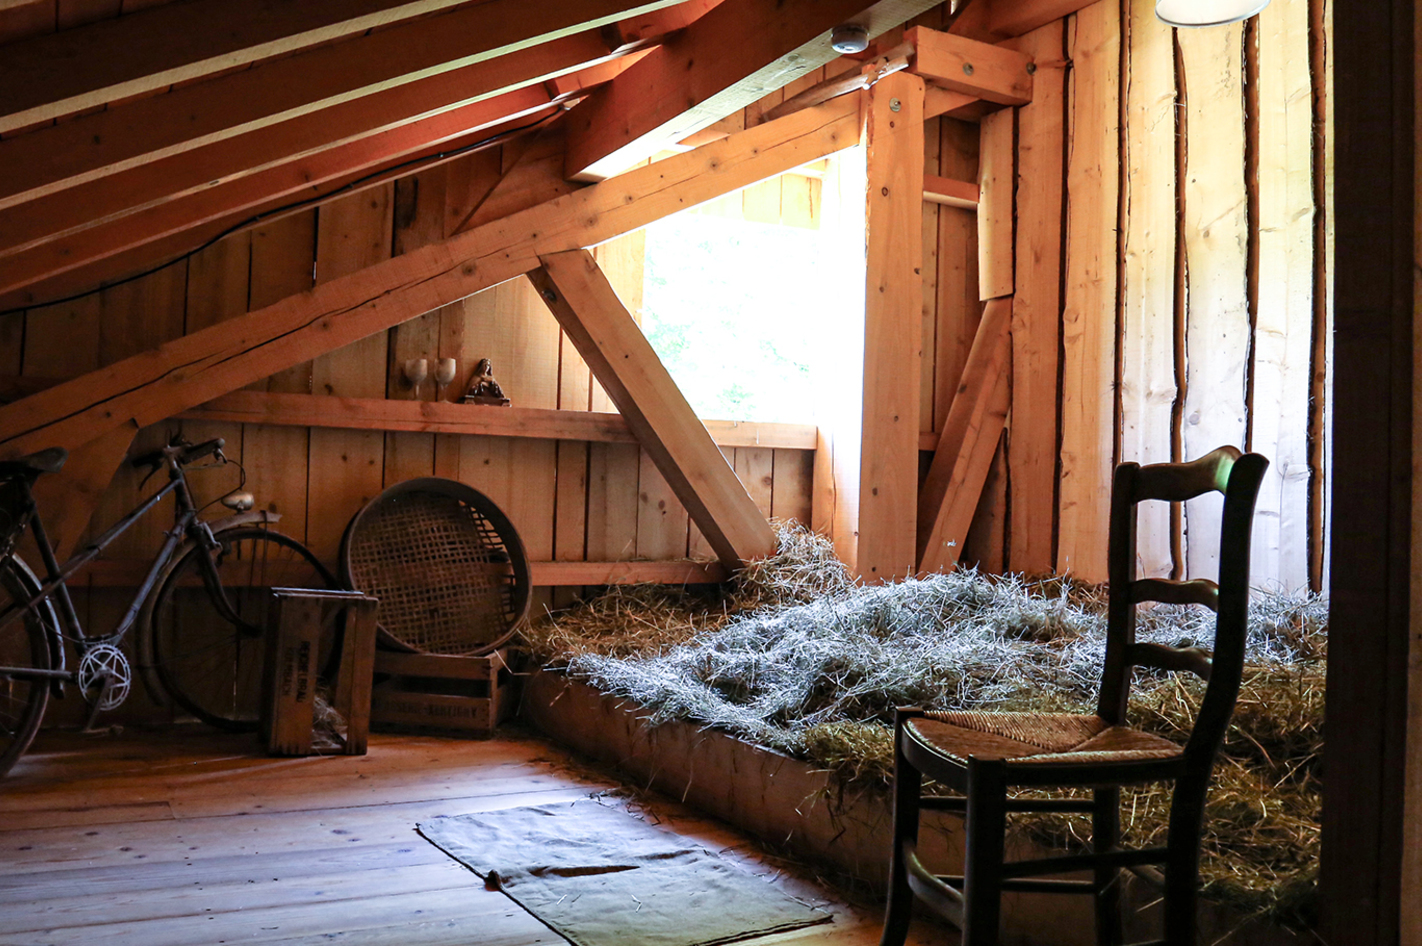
x,y
210,666
23,643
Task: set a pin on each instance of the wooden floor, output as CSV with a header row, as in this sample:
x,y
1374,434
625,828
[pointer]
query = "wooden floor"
x,y
187,837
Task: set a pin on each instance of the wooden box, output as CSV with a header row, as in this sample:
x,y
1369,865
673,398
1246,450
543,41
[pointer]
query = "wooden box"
x,y
294,625
435,693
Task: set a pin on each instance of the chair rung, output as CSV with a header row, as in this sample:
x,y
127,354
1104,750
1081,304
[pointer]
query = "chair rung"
x,y
1051,804
1149,873
933,890
960,803
943,803
1026,886
1074,862
1049,886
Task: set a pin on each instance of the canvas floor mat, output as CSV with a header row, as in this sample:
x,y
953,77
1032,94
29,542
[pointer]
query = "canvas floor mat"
x,y
601,877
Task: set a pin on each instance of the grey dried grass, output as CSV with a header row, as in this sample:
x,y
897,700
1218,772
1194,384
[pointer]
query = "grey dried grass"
x,y
800,658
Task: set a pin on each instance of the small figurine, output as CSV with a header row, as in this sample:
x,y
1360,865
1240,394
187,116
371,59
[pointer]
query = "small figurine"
x,y
483,389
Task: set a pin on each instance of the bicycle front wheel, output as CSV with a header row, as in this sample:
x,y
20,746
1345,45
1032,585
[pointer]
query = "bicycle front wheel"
x,y
24,643
210,666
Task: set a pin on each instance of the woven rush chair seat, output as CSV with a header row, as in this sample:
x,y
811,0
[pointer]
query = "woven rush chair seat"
x,y
1032,739
987,758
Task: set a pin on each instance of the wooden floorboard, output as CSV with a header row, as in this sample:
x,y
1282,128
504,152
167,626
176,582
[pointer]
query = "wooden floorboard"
x,y
186,837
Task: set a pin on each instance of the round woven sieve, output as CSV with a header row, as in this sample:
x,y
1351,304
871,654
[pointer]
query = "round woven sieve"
x,y
446,564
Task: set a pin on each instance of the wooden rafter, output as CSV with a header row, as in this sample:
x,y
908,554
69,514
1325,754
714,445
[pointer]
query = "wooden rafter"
x,y
64,155
966,445
421,103
623,361
731,57
198,367
136,243
72,70
655,23
533,177
299,179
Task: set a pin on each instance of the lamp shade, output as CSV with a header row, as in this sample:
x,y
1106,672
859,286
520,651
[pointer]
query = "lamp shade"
x,y
1206,12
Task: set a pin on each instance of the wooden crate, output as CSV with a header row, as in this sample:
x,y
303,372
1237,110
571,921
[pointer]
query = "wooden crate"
x,y
435,693
295,622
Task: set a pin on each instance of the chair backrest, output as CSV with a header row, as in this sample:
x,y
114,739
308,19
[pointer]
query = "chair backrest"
x,y
1225,471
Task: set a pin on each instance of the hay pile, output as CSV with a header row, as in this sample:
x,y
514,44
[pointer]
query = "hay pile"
x,y
800,658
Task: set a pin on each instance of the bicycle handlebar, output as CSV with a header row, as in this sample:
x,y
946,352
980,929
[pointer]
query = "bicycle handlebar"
x,y
184,453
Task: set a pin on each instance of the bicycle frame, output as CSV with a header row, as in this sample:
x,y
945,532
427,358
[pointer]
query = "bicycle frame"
x,y
186,526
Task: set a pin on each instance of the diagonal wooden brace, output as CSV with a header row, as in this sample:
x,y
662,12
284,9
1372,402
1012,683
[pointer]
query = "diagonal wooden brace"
x,y
966,446
621,358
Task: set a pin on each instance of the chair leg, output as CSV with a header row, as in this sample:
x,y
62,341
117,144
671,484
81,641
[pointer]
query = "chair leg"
x,y
907,788
1105,833
982,872
1182,867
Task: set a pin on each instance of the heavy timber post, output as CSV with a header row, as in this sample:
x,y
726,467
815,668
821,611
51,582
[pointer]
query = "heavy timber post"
x,y
888,497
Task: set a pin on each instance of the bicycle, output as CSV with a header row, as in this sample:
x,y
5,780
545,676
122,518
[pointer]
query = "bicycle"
x,y
200,606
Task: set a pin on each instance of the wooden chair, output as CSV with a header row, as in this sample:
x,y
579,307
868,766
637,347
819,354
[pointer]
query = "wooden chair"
x,y
982,755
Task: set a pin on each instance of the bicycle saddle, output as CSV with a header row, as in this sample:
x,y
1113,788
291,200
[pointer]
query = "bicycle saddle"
x,y
45,461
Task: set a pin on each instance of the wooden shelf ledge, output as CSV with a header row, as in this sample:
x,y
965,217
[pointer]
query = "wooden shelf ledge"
x,y
128,573
443,417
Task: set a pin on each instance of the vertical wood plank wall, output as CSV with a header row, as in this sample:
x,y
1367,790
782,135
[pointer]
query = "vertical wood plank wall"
x,y
571,501
1182,300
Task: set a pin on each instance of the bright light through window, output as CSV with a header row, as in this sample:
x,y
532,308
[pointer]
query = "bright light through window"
x,y
736,310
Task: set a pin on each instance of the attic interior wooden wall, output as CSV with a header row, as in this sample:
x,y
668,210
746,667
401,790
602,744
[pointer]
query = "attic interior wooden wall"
x,y
1203,249
1172,239
1169,259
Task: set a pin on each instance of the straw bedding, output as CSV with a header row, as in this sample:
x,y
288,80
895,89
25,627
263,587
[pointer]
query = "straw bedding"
x,y
799,658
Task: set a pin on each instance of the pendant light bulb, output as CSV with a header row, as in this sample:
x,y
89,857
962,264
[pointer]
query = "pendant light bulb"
x,y
1195,13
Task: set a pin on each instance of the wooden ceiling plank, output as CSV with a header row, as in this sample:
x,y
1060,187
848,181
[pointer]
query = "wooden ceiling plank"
x,y
660,22
733,56
306,177
992,73
110,141
198,367
107,198
622,359
74,69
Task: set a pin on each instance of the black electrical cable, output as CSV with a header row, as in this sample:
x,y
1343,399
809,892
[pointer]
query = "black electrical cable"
x,y
295,205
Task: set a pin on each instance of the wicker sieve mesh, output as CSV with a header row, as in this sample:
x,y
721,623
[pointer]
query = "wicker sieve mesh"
x,y
442,572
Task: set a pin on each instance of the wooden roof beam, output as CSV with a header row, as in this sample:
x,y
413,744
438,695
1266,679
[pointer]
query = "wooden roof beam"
x,y
62,73
982,70
657,23
28,268
196,368
623,361
729,58
442,107
91,146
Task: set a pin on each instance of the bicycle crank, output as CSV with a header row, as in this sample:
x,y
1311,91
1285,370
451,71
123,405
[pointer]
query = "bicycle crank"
x,y
104,677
